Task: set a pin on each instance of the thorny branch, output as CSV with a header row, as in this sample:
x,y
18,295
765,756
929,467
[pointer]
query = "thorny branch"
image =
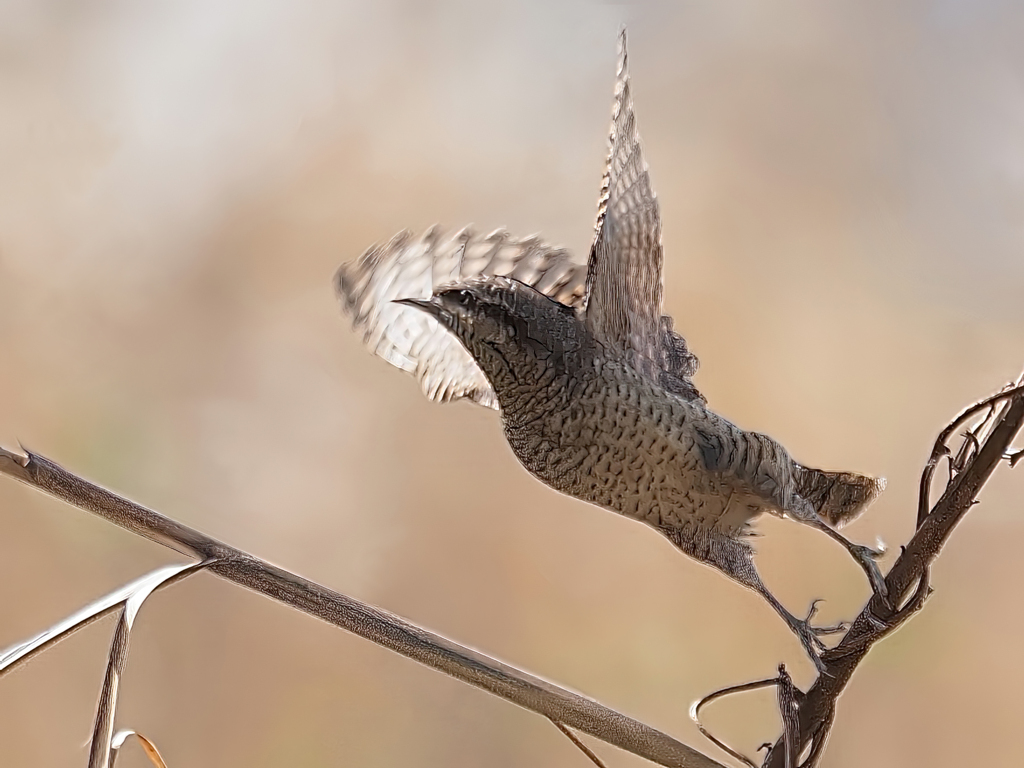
x,y
988,444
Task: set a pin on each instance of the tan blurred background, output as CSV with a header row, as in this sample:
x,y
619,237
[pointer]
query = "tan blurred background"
x,y
842,187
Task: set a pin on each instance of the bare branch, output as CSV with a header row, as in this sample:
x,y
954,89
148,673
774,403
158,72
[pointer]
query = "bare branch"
x,y
378,626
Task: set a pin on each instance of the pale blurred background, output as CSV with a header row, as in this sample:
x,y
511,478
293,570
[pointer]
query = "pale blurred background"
x,y
842,186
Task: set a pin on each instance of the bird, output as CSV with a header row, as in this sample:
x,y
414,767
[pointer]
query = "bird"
x,y
594,386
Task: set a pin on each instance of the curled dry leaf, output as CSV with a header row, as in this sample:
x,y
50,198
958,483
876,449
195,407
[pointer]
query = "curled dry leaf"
x,y
147,746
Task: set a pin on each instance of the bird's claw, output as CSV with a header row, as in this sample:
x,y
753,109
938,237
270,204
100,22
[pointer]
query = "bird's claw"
x,y
810,635
867,558
842,626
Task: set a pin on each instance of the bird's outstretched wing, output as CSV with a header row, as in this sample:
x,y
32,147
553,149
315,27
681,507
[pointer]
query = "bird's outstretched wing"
x,y
624,275
408,268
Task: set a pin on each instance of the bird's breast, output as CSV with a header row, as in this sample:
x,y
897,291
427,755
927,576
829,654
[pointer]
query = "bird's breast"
x,y
608,437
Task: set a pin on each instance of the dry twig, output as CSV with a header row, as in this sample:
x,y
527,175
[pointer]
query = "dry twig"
x,y
101,748
383,628
579,744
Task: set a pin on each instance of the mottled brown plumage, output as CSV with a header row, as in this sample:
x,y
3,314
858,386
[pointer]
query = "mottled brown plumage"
x,y
593,385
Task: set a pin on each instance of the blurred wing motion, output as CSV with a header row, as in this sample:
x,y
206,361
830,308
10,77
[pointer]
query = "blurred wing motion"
x,y
624,276
407,268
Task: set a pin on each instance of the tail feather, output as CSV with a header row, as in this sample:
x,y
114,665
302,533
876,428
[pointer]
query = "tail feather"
x,y
838,497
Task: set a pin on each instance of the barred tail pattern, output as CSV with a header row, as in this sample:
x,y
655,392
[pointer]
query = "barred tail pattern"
x,y
838,497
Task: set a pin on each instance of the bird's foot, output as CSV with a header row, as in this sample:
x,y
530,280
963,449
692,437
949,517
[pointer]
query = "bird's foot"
x,y
835,629
810,635
867,558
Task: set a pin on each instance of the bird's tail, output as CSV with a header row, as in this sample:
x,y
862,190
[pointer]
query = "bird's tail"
x,y
838,497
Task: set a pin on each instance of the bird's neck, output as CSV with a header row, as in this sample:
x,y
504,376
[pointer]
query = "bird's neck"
x,y
530,370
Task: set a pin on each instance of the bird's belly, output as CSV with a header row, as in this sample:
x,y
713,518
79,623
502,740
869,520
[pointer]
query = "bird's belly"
x,y
638,459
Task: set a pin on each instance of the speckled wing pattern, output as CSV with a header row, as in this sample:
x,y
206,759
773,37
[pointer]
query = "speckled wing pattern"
x,y
407,267
624,276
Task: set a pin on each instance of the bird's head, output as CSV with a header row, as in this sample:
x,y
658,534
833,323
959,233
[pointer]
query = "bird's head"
x,y
504,324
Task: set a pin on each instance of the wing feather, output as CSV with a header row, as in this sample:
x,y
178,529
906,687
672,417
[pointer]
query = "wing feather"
x,y
624,273
406,267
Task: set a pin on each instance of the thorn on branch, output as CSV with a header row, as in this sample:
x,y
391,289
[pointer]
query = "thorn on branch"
x,y
1014,457
968,450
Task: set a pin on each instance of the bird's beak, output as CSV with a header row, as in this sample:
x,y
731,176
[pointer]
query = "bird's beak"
x,y
432,307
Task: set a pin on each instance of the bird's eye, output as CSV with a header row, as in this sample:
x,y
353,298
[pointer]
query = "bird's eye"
x,y
464,297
